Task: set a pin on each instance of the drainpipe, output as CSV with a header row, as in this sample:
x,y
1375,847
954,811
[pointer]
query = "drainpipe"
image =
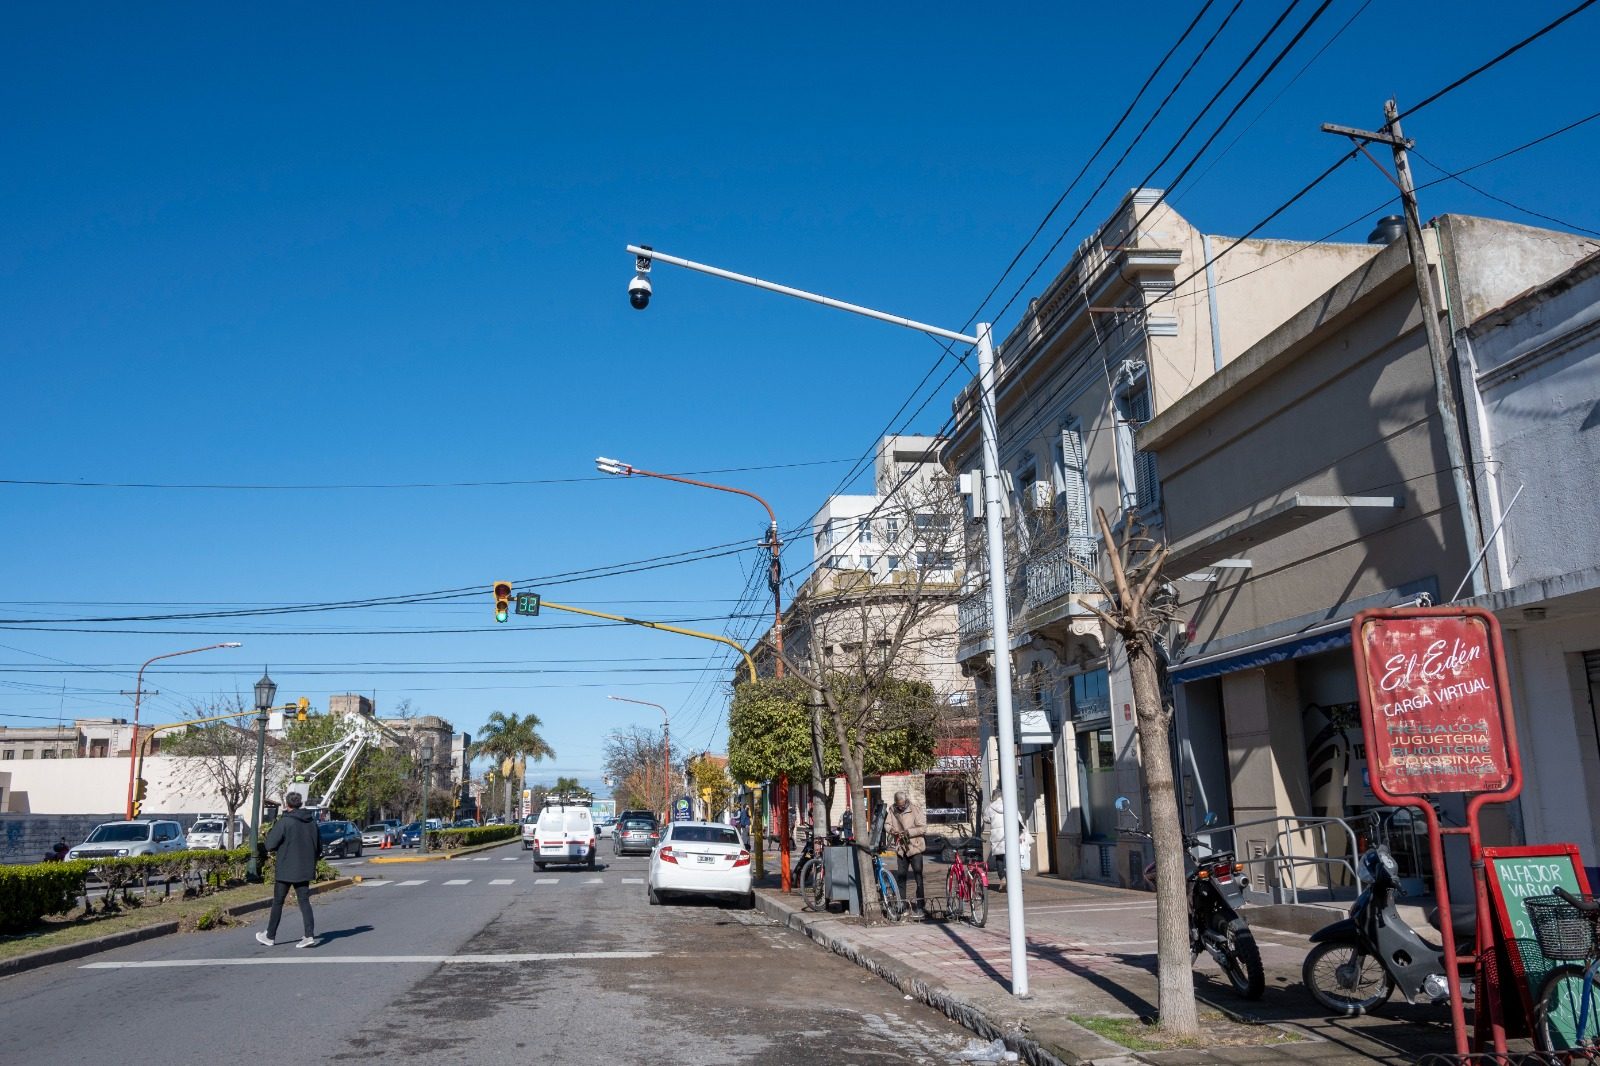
x,y
1211,298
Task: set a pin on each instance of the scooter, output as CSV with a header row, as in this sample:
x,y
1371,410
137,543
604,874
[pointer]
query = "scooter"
x,y
1360,960
1216,892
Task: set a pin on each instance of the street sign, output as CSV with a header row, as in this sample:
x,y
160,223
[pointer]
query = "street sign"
x,y
528,603
680,809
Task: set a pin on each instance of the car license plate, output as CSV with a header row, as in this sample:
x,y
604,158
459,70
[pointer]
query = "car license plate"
x,y
708,858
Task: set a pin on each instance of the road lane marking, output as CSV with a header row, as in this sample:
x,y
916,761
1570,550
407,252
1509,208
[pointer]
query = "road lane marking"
x,y
481,858
306,958
509,858
595,881
503,881
633,880
548,881
375,884
460,881
408,884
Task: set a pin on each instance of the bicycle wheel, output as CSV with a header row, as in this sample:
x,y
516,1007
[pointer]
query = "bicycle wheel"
x,y
977,899
954,903
894,908
1561,1002
806,881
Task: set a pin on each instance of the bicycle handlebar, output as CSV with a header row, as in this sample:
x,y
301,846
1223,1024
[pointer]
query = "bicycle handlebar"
x,y
1589,906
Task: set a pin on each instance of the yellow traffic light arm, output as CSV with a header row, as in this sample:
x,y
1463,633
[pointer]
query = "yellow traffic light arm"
x,y
735,645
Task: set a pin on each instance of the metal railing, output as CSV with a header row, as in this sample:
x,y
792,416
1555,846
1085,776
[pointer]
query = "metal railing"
x,y
1297,843
972,615
1050,573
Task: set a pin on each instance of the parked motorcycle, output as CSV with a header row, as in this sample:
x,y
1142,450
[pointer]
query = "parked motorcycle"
x,y
1216,892
1359,960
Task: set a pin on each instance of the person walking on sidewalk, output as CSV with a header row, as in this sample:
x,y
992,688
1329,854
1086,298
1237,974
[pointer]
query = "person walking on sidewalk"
x,y
294,839
997,840
910,827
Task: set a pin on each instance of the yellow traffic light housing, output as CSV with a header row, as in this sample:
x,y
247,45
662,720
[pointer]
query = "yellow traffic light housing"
x,y
301,707
502,600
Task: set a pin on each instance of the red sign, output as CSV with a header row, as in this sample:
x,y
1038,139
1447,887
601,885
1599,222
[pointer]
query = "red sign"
x,y
1433,701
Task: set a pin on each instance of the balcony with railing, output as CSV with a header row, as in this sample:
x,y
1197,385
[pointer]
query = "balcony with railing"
x,y
973,616
1056,572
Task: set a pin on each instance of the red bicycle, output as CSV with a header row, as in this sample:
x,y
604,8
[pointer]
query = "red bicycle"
x,y
967,887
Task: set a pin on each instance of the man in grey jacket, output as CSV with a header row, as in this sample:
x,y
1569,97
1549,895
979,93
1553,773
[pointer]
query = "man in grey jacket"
x,y
293,838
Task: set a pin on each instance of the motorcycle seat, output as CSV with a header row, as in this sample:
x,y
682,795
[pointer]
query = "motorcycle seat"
x,y
1464,918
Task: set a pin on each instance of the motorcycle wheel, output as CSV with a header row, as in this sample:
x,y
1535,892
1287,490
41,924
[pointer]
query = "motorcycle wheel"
x,y
1242,960
1345,979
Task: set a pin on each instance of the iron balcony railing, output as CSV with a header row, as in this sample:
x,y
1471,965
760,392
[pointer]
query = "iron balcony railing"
x,y
1053,573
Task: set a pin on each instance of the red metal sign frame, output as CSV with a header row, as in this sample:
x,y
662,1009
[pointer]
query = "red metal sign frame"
x,y
1488,1004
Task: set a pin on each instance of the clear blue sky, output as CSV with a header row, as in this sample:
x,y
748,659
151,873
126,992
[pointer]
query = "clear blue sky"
x,y
383,244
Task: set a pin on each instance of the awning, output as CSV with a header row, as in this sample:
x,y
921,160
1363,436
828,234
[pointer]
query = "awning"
x,y
1260,655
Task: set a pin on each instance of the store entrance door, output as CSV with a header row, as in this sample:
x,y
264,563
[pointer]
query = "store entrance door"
x,y
1052,814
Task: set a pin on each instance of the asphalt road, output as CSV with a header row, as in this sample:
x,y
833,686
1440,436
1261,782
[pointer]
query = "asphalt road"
x,y
483,960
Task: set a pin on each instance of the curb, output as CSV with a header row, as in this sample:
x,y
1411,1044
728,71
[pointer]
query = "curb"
x,y
68,952
926,988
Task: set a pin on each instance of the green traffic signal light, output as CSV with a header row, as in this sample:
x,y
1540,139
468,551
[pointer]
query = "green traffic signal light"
x,y
502,600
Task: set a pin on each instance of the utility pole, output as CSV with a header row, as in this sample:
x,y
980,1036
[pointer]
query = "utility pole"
x,y
1444,379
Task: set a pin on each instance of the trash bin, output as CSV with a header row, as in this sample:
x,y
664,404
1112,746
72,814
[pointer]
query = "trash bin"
x,y
843,885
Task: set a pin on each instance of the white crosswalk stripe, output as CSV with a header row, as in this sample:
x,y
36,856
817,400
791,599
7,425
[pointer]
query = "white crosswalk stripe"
x,y
376,884
595,881
633,880
463,881
503,881
408,884
548,881
480,858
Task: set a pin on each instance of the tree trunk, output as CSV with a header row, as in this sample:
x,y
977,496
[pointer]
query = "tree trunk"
x,y
1176,975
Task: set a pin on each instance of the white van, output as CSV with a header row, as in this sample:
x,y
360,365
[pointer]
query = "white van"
x,y
563,835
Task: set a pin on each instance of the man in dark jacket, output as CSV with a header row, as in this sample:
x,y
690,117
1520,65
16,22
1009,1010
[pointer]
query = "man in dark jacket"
x,y
294,839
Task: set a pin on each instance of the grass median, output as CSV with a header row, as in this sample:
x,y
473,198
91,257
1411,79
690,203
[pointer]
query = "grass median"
x,y
60,931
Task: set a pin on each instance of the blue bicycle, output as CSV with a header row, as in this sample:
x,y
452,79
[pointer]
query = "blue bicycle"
x,y
1567,928
889,898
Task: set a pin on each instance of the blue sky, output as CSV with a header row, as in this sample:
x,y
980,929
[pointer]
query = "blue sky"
x,y
384,244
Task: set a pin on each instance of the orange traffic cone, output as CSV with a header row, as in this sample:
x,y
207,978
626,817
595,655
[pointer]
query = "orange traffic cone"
x,y
385,844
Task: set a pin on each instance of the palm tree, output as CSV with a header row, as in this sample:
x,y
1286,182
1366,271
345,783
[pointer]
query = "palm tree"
x,y
512,737
569,786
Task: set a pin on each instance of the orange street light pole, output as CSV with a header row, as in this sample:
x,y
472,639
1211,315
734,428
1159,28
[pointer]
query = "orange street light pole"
x,y
775,579
138,692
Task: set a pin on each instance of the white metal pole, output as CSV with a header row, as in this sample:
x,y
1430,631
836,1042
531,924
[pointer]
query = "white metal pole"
x,y
1000,632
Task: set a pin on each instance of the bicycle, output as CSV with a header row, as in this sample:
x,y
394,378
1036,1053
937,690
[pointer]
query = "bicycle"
x,y
811,875
894,905
1567,928
966,887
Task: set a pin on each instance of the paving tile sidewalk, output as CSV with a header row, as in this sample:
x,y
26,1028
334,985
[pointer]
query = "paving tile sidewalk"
x,y
1091,952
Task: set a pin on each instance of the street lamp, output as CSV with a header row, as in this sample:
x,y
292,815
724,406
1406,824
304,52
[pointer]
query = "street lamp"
x,y
138,692
775,580
266,689
666,754
1000,627
427,772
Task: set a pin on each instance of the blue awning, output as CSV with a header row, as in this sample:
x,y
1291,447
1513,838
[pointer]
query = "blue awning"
x,y
1277,652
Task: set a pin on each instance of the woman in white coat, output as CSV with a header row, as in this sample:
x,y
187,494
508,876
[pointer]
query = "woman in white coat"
x,y
995,815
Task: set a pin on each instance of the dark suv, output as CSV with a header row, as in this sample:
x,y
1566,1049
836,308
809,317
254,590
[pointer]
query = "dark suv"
x,y
636,832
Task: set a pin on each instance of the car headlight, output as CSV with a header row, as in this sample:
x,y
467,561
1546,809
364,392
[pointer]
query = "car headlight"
x,y
122,851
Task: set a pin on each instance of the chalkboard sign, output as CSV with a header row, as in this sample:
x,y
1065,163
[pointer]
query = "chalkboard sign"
x,y
1514,875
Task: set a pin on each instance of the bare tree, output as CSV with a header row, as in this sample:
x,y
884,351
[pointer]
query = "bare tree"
x,y
635,758
1137,612
865,640
219,758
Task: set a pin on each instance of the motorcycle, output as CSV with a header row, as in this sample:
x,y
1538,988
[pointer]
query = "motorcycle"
x,y
1359,960
1216,892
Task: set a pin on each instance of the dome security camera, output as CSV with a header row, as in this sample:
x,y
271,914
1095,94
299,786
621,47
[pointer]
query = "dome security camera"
x,y
639,292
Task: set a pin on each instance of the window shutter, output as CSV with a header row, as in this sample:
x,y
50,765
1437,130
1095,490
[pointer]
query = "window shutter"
x,y
1074,481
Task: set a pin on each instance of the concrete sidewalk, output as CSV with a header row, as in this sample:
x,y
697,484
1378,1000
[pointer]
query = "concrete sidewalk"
x,y
1091,955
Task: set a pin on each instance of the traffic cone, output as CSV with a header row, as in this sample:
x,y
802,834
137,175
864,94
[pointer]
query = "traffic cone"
x,y
385,845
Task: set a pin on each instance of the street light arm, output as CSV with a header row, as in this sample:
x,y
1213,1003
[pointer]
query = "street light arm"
x,y
826,301
138,692
773,518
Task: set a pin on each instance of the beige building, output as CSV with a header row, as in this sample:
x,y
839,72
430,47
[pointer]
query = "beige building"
x,y
1309,479
1135,322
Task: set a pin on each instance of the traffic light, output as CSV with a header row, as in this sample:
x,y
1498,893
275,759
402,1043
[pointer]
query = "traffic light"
x,y
301,706
139,788
502,600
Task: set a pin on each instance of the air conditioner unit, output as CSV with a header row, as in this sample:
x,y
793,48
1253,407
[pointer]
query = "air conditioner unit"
x,y
1036,497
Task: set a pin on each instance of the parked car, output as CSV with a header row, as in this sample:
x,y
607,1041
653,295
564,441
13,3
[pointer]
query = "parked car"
x,y
411,835
701,859
563,835
114,840
530,829
340,840
208,833
604,827
635,836
378,834
463,823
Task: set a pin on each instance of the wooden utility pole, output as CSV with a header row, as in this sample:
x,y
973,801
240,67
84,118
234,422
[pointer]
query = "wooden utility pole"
x,y
1444,380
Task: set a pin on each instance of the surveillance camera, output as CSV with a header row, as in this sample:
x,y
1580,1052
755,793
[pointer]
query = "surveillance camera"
x,y
639,292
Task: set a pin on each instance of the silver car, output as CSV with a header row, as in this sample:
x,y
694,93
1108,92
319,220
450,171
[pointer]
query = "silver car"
x,y
213,833
378,834
113,840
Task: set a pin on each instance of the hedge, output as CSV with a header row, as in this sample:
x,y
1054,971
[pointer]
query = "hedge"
x,y
453,839
29,893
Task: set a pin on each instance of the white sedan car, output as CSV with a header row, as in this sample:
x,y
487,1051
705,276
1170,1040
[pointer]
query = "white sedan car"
x,y
701,859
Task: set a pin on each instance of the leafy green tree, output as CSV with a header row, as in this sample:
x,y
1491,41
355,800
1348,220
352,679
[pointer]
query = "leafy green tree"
x,y
712,784
569,786
514,737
